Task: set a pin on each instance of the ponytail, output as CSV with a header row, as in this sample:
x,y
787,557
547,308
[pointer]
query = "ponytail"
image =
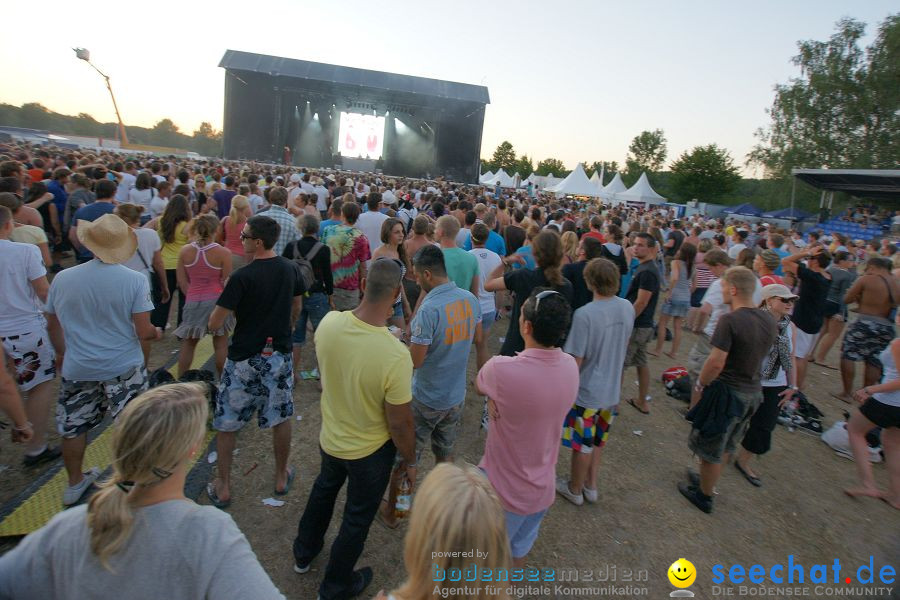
x,y
110,519
548,254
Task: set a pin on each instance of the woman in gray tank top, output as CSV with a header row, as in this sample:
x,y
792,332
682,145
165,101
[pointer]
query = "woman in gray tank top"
x,y
678,298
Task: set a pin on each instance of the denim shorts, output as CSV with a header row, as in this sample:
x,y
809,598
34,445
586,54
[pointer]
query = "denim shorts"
x,y
522,531
487,319
315,307
261,385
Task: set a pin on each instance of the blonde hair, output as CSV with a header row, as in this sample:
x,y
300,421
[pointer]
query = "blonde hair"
x,y
456,508
238,205
130,213
200,184
205,226
570,245
151,438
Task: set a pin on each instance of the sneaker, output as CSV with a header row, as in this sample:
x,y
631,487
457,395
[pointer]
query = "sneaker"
x,y
590,496
696,497
74,493
47,454
301,568
562,488
694,480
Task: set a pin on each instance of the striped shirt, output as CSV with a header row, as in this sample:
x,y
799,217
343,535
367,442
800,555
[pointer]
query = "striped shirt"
x,y
289,232
704,275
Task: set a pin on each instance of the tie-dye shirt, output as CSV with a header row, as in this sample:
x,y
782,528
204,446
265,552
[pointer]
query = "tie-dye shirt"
x,y
349,247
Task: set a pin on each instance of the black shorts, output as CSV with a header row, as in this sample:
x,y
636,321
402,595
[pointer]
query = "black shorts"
x,y
831,309
883,415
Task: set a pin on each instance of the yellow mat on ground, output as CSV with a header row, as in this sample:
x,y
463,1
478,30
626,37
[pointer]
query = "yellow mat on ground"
x,y
37,510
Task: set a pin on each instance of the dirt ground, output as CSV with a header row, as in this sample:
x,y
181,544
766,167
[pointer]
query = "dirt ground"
x,y
641,523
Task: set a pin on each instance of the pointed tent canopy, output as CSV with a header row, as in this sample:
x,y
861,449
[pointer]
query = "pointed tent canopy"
x,y
576,184
613,187
640,192
502,177
485,177
595,178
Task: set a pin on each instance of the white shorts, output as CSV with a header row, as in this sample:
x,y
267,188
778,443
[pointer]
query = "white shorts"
x,y
32,357
806,342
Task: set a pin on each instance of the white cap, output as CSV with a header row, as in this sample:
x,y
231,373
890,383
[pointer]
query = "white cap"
x,y
295,178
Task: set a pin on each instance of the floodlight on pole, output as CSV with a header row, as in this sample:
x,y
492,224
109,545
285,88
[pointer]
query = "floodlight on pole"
x,y
85,55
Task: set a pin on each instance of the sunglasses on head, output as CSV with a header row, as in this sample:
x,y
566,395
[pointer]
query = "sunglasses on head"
x,y
541,296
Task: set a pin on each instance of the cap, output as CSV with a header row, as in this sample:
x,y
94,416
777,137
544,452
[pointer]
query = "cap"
x,y
777,290
295,178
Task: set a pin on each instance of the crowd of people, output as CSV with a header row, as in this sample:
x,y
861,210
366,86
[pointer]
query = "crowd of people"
x,y
396,280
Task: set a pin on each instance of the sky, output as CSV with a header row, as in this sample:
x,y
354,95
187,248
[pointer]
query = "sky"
x,y
574,80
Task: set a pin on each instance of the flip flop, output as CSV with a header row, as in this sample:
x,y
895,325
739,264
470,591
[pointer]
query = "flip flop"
x,y
826,366
214,496
638,408
751,478
841,398
383,521
287,486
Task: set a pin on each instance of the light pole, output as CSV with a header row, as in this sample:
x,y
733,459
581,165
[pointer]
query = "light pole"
x,y
84,55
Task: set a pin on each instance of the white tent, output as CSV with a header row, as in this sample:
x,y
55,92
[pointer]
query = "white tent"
x,y
640,192
576,184
517,180
502,177
485,177
595,178
613,187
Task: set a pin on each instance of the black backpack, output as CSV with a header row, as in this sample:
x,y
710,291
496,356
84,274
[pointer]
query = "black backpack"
x,y
305,264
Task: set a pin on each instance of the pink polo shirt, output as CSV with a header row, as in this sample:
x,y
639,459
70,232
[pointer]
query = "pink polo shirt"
x,y
533,391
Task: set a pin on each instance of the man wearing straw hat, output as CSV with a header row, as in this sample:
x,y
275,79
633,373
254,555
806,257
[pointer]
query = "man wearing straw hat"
x,y
104,309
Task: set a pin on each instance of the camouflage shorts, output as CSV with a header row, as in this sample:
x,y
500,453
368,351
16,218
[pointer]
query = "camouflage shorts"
x,y
261,385
82,404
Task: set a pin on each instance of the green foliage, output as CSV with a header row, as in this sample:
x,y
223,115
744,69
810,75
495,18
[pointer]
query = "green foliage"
x,y
843,111
504,158
706,173
647,152
551,165
205,141
524,166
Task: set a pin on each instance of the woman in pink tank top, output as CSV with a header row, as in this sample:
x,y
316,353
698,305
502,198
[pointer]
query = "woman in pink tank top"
x,y
203,268
229,234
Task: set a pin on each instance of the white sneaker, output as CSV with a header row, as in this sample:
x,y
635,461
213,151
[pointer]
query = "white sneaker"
x,y
590,495
74,493
562,488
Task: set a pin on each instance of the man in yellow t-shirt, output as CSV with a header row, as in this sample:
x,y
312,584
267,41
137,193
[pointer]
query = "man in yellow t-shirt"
x,y
366,419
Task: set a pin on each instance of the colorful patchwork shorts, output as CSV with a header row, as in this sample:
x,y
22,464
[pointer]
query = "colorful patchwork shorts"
x,y
261,385
587,428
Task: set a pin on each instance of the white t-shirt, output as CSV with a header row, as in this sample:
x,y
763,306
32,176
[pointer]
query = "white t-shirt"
x,y
780,377
462,236
256,202
142,198
369,223
322,198
488,260
714,298
125,186
735,250
21,311
158,205
148,244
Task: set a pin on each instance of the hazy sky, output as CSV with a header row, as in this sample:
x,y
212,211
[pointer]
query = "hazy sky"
x,y
571,80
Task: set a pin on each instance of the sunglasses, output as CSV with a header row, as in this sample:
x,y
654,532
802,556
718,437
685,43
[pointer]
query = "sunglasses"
x,y
247,236
786,300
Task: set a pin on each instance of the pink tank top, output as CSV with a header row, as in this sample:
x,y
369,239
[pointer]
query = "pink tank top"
x,y
206,282
233,237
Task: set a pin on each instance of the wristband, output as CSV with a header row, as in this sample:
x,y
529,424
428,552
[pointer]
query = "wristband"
x,y
27,425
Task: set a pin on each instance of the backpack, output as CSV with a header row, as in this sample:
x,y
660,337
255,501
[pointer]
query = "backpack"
x,y
305,264
680,388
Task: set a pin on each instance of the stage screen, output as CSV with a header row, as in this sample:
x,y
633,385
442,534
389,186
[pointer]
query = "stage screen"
x,y
361,136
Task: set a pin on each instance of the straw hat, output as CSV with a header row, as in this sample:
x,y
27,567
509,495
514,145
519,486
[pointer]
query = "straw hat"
x,y
109,238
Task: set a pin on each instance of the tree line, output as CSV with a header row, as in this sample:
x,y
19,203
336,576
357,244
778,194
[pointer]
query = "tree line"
x,y
842,111
205,140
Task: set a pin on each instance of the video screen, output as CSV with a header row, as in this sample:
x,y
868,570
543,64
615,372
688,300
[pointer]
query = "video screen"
x,y
361,136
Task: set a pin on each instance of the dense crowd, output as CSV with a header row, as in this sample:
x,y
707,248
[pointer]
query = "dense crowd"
x,y
397,280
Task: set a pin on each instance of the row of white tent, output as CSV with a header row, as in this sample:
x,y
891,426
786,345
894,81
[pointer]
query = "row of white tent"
x,y
578,184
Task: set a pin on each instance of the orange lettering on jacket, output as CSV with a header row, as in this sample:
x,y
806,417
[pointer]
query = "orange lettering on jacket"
x,y
460,322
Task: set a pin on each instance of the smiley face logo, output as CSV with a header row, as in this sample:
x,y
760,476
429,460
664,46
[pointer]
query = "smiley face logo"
x,y
682,573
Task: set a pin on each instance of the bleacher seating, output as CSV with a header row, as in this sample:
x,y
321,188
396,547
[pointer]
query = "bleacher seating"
x,y
852,230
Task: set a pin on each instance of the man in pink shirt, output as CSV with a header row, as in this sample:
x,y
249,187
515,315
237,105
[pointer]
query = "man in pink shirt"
x,y
529,396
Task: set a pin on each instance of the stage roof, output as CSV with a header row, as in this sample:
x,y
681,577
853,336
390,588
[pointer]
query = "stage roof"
x,y
863,183
304,69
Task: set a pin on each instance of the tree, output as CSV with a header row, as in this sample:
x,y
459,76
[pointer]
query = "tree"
x,y
602,166
524,166
843,111
551,165
706,173
504,158
647,152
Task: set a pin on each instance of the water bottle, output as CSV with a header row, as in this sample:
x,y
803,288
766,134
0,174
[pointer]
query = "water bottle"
x,y
404,500
268,349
